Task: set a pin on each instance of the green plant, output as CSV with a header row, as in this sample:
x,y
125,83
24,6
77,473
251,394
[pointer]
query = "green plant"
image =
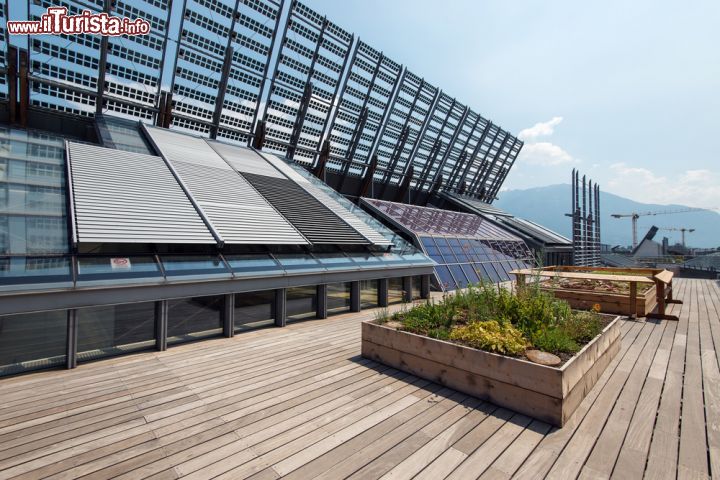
x,y
582,326
382,315
491,336
554,340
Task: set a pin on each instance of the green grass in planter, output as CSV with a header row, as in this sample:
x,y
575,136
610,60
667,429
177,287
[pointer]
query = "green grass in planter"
x,y
548,323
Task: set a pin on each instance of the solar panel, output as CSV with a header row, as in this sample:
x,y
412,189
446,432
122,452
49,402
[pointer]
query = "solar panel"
x,y
468,248
367,91
72,63
305,83
214,33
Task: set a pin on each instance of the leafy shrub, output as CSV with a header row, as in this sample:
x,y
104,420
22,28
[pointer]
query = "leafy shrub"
x,y
430,319
554,340
582,326
491,336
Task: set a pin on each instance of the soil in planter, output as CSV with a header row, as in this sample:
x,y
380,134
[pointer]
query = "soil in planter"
x,y
496,320
600,286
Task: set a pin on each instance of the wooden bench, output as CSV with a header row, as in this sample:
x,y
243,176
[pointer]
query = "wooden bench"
x,y
661,278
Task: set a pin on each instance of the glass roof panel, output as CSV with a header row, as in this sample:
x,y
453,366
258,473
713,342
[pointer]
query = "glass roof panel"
x,y
118,269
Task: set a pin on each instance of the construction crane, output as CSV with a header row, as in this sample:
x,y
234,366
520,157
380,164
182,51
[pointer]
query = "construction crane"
x,y
635,215
681,230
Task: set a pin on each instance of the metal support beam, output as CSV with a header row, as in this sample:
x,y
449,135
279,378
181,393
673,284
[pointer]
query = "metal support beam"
x,y
12,79
72,339
161,325
402,192
24,88
383,292
319,169
299,120
394,158
368,178
102,63
424,286
229,316
222,87
354,296
259,136
280,307
322,301
407,289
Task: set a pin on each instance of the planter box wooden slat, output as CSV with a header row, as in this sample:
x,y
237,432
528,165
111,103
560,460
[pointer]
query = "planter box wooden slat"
x,y
550,394
615,303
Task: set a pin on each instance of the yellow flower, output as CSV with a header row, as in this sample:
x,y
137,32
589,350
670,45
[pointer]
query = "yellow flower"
x,y
596,308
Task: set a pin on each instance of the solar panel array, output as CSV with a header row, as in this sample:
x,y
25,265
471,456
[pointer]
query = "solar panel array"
x,y
306,80
215,33
72,63
230,63
467,247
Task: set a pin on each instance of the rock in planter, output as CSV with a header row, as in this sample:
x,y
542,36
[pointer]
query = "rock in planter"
x,y
543,358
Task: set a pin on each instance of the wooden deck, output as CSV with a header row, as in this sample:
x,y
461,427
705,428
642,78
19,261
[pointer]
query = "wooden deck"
x,y
302,403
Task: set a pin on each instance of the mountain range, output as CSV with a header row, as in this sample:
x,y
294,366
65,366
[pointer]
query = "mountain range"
x,y
548,206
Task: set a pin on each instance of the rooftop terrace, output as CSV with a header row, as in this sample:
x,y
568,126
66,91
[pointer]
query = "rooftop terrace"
x,y
301,402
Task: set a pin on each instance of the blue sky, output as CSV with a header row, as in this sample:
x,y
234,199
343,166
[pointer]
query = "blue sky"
x,y
628,92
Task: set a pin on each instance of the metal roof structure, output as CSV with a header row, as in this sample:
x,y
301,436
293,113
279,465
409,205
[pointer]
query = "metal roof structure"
x,y
524,228
124,197
467,248
271,73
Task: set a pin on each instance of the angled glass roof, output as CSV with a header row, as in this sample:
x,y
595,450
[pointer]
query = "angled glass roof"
x,y
467,248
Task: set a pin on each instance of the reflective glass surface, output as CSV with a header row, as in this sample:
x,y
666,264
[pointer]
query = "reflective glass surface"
x,y
335,261
203,265
117,269
395,290
338,297
31,341
253,264
301,303
368,293
298,261
254,309
33,216
28,270
115,329
192,318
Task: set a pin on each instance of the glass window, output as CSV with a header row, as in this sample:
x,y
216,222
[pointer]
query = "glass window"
x,y
460,279
32,193
395,290
27,270
252,264
31,341
416,286
336,261
301,303
116,329
368,293
117,269
298,261
254,309
491,272
193,318
365,260
338,297
447,282
470,273
194,265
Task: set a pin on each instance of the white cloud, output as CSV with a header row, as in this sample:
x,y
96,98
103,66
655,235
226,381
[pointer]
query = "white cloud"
x,y
695,188
545,154
540,129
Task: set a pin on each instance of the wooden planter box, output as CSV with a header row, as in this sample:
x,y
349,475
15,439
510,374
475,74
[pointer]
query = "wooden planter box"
x,y
615,303
550,394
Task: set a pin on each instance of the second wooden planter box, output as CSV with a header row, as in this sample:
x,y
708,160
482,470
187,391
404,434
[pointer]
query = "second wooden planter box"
x,y
550,394
615,303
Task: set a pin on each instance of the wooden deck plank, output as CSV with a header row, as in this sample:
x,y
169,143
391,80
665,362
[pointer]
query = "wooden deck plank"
x,y
293,402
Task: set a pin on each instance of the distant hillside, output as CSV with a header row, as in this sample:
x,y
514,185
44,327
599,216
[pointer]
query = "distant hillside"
x,y
548,206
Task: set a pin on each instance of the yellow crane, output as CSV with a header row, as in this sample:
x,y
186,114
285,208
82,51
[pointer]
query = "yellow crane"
x,y
635,215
